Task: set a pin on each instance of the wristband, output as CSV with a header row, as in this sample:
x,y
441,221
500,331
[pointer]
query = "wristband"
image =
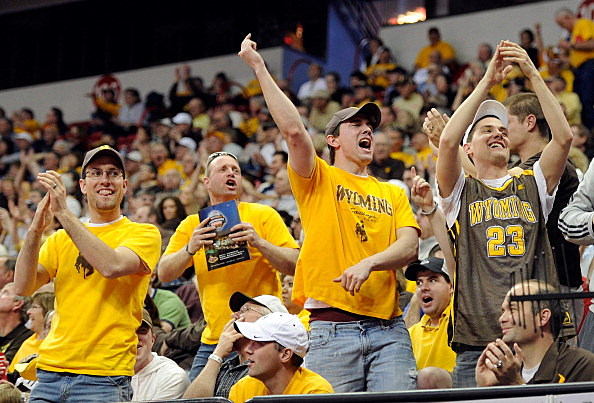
x,y
425,212
216,358
191,254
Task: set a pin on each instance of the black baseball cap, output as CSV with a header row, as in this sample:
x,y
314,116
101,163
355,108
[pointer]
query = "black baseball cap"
x,y
433,264
370,110
103,150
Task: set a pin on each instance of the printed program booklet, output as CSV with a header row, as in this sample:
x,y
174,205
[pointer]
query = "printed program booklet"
x,y
223,251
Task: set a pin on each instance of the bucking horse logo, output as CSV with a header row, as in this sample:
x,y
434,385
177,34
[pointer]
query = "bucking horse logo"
x,y
81,263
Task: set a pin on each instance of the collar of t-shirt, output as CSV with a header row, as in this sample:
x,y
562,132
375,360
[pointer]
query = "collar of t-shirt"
x,y
496,183
528,374
104,224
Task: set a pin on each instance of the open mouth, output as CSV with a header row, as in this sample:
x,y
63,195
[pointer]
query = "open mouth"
x,y
427,300
497,144
365,143
105,192
231,183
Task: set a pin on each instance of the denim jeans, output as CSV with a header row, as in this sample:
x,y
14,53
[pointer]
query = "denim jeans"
x,y
201,359
464,375
370,355
586,337
68,387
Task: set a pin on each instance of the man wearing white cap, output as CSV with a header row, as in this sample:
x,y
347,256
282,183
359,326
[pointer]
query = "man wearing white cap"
x,y
278,343
498,221
369,232
224,368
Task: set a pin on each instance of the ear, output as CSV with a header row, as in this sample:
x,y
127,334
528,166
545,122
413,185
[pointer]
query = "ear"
x,y
125,185
545,317
332,141
18,305
467,149
530,122
83,186
285,355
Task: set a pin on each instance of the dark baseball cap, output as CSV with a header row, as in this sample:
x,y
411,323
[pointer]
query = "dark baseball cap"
x,y
103,150
370,110
272,303
433,264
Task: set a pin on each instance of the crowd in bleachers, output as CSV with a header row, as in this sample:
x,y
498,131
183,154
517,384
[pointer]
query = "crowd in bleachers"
x,y
166,140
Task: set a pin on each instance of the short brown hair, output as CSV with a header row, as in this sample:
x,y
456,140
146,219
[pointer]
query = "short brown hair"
x,y
523,105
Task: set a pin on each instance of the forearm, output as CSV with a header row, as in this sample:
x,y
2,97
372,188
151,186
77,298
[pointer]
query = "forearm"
x,y
584,46
107,261
204,384
439,227
560,130
172,266
397,255
27,278
281,258
413,315
281,108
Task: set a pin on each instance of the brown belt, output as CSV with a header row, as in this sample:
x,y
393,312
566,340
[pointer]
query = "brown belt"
x,y
335,315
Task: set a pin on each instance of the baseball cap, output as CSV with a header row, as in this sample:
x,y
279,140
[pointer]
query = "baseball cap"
x,y
188,143
238,299
284,328
24,136
103,150
134,156
146,318
321,94
182,118
433,264
369,110
488,108
166,122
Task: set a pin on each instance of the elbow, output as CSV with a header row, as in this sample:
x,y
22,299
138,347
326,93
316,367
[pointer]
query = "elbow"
x,y
293,130
413,252
21,289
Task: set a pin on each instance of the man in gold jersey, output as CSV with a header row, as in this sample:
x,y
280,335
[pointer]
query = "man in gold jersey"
x,y
101,271
358,231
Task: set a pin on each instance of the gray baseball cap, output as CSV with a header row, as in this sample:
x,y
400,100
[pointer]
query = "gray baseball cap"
x,y
103,150
370,110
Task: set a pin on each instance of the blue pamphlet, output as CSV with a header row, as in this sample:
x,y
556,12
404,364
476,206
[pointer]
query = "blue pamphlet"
x,y
223,251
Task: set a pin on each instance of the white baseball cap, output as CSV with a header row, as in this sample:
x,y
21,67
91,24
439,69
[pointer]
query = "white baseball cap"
x,y
488,108
238,299
284,328
182,118
187,142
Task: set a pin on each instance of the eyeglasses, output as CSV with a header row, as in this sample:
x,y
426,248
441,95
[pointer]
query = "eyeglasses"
x,y
35,307
246,308
98,173
218,154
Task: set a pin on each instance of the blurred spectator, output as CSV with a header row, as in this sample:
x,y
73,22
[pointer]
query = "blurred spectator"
x,y
13,315
200,121
55,117
42,303
377,73
283,199
170,212
383,166
570,101
409,99
527,42
316,82
172,311
373,51
6,269
435,43
333,85
397,141
184,88
322,110
581,57
132,111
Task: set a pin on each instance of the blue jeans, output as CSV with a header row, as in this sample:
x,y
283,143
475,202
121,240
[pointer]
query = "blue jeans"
x,y
464,375
370,355
586,337
201,359
68,387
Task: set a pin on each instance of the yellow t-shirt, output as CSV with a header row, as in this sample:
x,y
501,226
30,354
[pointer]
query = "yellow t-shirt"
x,y
304,318
583,30
347,218
303,382
253,277
444,48
29,346
422,157
430,344
94,329
565,73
